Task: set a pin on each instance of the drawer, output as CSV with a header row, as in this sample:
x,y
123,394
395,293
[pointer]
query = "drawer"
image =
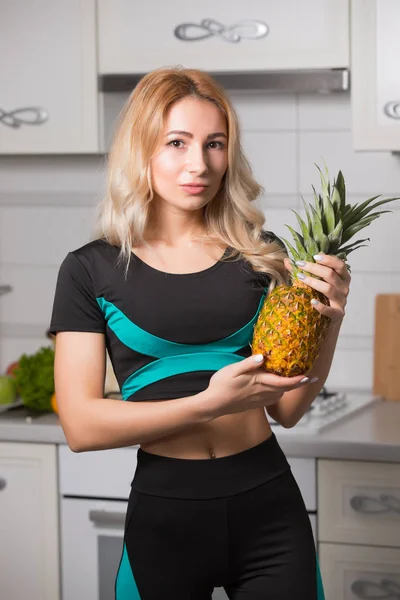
x,y
98,474
359,502
355,572
304,471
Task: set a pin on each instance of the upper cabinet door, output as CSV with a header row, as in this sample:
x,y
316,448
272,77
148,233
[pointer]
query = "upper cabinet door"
x,y
48,84
221,36
375,74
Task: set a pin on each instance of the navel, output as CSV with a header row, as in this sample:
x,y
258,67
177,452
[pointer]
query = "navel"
x,y
212,453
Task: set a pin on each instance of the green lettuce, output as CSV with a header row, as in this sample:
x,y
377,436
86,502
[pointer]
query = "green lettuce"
x,y
34,379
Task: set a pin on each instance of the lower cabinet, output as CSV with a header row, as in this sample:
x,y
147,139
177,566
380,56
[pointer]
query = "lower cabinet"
x,y
359,572
359,529
29,556
359,502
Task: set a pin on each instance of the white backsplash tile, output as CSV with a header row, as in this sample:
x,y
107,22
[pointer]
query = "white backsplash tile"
x,y
52,173
360,309
381,254
273,159
263,111
276,220
324,112
42,235
271,200
351,369
367,173
30,301
49,198
110,106
354,342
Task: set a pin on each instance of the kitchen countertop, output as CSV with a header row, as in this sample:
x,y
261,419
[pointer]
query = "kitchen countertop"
x,y
372,434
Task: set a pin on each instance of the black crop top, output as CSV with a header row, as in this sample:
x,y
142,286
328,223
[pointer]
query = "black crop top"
x,y
166,334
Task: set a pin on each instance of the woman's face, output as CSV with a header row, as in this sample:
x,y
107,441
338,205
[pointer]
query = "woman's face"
x,y
192,158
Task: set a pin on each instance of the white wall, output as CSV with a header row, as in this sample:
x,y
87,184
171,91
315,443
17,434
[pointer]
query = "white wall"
x,y
47,206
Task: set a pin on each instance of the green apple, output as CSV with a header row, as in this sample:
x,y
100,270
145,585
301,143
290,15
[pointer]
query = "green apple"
x,y
7,390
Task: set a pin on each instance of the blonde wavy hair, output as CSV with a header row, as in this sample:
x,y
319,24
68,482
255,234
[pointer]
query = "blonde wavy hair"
x,y
230,218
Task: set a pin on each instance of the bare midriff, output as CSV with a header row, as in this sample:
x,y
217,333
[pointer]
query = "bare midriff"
x,y
223,436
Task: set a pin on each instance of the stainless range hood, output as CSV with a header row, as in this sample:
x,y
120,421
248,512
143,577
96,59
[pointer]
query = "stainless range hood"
x,y
318,81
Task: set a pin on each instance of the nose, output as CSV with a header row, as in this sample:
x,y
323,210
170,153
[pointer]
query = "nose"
x,y
196,161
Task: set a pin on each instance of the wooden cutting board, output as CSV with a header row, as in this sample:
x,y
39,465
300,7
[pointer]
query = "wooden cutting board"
x,y
386,381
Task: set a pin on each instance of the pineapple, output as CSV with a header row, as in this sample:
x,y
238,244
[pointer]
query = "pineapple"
x,y
289,332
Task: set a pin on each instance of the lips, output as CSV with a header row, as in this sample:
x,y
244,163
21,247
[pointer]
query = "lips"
x,y
194,188
194,185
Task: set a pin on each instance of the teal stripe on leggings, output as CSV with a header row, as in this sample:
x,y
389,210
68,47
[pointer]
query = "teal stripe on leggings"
x,y
320,587
125,584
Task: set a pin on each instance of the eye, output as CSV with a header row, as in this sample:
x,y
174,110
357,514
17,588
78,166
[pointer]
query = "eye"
x,y
175,143
219,145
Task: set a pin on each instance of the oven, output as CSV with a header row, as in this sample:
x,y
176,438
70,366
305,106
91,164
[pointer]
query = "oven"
x,y
91,548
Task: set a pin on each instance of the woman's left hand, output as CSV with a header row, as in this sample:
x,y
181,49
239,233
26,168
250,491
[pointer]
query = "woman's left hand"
x,y
334,283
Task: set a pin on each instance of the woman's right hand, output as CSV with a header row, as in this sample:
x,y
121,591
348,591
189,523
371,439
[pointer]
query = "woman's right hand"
x,y
244,386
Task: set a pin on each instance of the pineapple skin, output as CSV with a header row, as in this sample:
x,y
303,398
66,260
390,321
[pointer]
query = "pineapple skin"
x,y
289,332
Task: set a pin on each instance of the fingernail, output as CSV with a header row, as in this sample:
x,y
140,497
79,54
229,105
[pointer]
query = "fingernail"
x,y
258,358
318,257
304,380
314,301
301,276
300,263
314,379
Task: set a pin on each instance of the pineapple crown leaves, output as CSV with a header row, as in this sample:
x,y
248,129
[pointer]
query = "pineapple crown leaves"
x,y
331,222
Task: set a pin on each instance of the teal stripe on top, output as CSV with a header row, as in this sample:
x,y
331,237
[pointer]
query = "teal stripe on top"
x,y
173,358
175,365
146,343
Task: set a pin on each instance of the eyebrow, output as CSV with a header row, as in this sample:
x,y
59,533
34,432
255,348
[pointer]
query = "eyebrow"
x,y
190,135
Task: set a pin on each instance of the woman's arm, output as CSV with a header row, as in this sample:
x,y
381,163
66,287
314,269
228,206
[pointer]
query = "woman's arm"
x,y
293,404
91,422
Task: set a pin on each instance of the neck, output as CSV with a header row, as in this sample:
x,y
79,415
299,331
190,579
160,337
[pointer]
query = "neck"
x,y
171,226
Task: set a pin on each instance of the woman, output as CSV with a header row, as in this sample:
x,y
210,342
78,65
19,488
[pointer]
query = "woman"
x,y
172,286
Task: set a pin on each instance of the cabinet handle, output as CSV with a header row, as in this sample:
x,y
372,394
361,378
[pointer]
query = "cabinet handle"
x,y
385,503
388,590
30,115
107,517
249,29
3,484
392,109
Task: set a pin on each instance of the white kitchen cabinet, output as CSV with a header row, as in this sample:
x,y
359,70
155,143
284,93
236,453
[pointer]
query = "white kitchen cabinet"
x,y
375,79
29,551
359,502
220,36
354,572
48,79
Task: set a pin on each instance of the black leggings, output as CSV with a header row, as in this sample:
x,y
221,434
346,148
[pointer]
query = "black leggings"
x,y
238,522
